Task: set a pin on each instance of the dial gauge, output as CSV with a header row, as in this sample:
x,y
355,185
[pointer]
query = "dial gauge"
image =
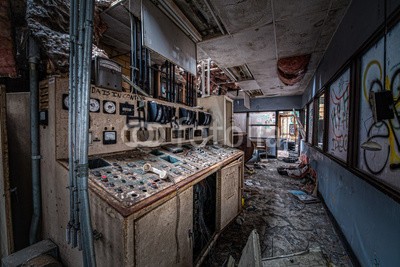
x,y
94,105
109,107
65,103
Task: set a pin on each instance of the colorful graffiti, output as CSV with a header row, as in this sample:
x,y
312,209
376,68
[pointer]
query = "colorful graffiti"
x,y
339,116
380,141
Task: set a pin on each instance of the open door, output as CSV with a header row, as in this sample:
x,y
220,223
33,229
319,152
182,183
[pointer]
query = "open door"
x,y
288,134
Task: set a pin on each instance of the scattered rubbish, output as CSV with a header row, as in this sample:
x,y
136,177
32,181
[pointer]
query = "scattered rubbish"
x,y
239,220
304,197
248,182
290,160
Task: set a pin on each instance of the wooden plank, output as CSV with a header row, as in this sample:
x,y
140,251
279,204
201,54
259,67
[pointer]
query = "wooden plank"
x,y
6,241
251,254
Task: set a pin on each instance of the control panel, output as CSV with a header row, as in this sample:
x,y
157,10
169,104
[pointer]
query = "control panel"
x,y
120,121
138,174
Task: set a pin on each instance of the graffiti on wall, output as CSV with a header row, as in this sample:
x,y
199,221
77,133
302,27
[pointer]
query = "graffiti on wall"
x,y
379,142
339,116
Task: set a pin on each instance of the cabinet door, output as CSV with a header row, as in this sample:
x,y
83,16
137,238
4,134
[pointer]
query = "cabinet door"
x,y
163,236
228,190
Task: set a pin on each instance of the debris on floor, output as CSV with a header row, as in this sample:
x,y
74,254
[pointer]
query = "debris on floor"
x,y
285,225
304,197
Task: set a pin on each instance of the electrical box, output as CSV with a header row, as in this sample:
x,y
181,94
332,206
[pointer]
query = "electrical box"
x,y
382,105
107,74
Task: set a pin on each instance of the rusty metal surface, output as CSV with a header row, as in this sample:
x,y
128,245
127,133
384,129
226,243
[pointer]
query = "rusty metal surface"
x,y
18,127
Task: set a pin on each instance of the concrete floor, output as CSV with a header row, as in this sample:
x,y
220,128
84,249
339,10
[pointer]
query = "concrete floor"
x,y
285,225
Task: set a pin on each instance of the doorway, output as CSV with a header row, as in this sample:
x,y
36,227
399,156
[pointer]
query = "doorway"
x,y
288,135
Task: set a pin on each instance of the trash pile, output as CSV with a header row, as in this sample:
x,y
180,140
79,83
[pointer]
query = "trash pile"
x,y
303,172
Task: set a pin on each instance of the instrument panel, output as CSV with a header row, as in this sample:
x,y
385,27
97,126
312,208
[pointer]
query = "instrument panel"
x,y
133,176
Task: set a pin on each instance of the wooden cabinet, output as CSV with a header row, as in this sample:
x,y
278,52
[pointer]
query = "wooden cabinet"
x,y
163,236
221,108
229,184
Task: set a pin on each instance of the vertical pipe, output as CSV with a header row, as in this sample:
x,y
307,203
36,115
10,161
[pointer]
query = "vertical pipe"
x,y
145,71
87,233
133,47
34,109
150,81
140,56
203,82
173,83
72,224
208,76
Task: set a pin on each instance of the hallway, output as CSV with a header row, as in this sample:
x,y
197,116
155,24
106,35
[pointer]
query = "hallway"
x,y
285,225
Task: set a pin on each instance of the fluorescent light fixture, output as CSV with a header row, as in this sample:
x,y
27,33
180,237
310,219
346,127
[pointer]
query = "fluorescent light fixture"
x,y
176,15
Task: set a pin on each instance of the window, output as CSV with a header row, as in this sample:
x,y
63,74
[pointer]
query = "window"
x,y
379,138
262,126
240,121
305,122
310,122
320,122
339,116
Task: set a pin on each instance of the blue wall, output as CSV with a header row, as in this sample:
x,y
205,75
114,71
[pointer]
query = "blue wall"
x,y
369,219
269,104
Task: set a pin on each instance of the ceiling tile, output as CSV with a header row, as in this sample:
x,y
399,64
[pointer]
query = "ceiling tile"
x,y
248,85
299,35
263,69
288,9
256,44
223,51
328,30
239,15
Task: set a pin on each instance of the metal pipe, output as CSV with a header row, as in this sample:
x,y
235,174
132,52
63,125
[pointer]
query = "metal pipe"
x,y
150,81
86,227
203,78
33,60
133,46
71,233
140,57
208,76
145,70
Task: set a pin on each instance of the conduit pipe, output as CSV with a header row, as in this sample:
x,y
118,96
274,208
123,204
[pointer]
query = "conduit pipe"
x,y
79,229
33,59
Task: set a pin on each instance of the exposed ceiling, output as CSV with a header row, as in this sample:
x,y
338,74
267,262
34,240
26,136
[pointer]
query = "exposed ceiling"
x,y
259,32
250,35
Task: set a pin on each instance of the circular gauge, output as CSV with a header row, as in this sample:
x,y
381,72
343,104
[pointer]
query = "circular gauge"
x,y
94,105
109,107
65,101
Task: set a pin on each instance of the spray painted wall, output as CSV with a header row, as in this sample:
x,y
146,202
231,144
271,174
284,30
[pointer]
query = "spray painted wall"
x,y
369,219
